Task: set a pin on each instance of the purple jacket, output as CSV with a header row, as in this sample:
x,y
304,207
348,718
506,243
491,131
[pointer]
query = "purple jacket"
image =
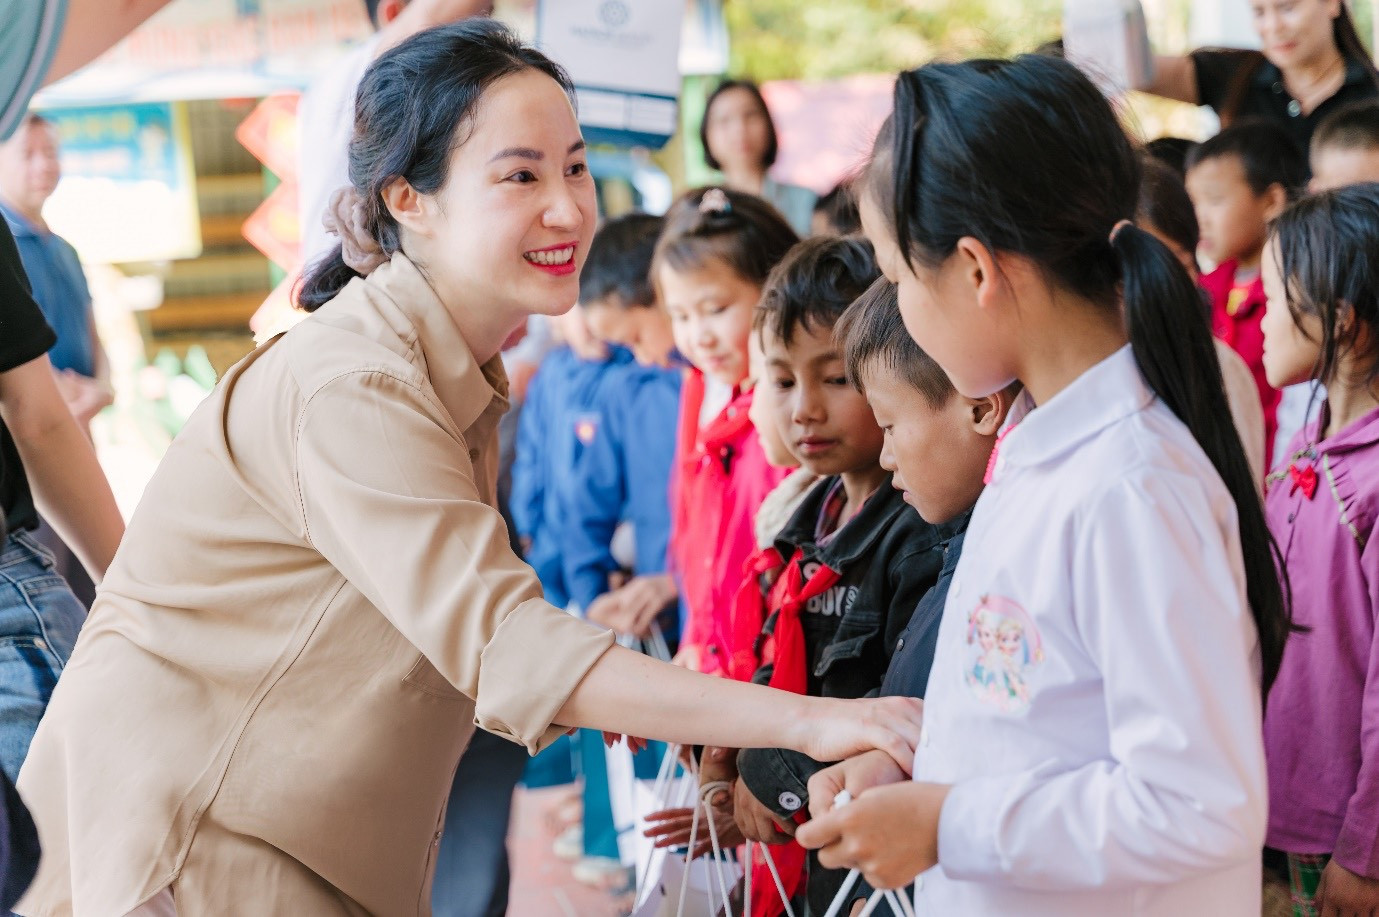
x,y
1321,727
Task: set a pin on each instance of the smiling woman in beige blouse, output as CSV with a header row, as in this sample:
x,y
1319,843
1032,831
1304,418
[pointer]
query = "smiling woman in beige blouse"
x,y
316,599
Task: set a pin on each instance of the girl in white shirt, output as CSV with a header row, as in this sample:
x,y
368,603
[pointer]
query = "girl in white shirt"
x,y
1092,727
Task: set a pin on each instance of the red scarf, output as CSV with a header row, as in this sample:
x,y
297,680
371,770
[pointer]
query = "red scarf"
x,y
790,673
749,613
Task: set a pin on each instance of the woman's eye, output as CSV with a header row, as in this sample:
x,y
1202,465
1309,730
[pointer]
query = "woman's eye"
x,y
523,177
578,169
837,380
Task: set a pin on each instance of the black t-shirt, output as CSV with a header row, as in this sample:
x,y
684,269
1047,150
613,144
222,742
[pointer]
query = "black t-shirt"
x,y
24,336
1237,83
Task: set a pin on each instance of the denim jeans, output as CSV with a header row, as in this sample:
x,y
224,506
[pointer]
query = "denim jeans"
x,y
39,621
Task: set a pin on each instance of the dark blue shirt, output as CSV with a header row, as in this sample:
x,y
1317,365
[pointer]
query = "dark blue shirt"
x,y
59,288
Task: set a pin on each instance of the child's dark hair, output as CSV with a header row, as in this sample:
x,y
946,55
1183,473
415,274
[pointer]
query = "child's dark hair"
x,y
1351,127
814,285
1171,151
1328,249
415,104
872,334
839,207
768,157
617,270
1267,154
740,230
1165,204
1056,175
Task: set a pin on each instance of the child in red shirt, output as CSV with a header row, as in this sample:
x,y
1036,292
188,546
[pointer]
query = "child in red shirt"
x,y
1239,180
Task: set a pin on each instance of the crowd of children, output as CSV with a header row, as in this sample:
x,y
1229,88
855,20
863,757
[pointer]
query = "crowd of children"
x,y
1020,476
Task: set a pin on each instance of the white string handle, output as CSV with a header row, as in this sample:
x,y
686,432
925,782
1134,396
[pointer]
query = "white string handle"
x,y
775,875
660,791
705,792
684,880
898,900
747,884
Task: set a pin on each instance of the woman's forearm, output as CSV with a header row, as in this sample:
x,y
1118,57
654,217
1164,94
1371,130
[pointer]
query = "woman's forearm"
x,y
68,484
629,693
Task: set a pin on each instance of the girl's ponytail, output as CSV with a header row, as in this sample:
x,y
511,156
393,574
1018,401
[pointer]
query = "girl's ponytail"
x,y
1173,347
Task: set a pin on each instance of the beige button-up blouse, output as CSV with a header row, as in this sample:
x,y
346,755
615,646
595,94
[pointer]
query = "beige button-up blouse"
x,y
313,603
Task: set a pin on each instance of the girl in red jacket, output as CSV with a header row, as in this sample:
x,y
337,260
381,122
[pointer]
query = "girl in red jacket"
x,y
709,267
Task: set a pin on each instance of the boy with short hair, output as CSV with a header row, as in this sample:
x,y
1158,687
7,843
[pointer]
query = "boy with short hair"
x,y
1345,147
938,446
853,559
1239,180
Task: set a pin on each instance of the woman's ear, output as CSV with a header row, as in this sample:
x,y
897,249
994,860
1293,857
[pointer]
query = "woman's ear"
x,y
408,207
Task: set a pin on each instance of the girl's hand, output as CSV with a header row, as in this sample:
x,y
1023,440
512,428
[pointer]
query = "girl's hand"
x,y
688,658
610,739
856,775
1342,893
890,833
756,822
830,729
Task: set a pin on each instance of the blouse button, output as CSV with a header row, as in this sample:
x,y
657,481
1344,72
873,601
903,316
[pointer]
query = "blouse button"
x,y
1295,108
900,644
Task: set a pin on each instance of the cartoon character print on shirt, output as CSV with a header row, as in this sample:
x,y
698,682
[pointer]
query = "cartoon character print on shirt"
x,y
1003,646
833,602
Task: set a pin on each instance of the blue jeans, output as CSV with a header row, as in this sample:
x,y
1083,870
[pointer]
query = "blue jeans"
x,y
39,622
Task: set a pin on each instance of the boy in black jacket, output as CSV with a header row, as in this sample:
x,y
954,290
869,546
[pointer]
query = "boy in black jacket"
x,y
854,559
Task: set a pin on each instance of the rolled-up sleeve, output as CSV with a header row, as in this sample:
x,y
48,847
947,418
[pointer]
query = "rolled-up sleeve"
x,y
387,495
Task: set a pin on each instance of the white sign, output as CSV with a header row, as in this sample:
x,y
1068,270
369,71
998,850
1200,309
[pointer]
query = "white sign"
x,y
623,56
1108,40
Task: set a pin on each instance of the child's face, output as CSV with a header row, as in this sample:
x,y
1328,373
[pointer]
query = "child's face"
x,y
1336,167
574,328
1233,219
644,330
710,310
937,455
824,420
1290,352
941,312
510,227
763,410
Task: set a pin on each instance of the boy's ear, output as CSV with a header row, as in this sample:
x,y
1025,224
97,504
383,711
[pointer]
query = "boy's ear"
x,y
989,413
1275,201
407,205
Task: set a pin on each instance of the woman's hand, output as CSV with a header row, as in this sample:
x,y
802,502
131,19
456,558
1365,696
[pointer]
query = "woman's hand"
x,y
755,822
1342,893
830,729
856,775
890,833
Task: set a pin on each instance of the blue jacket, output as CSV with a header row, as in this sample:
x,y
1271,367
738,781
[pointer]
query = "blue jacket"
x,y
624,476
561,414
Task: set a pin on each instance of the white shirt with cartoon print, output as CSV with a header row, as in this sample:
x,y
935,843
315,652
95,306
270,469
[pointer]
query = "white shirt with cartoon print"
x,y
1095,692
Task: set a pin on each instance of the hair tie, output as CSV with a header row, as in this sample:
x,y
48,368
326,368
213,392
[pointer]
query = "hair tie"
x,y
1115,230
715,201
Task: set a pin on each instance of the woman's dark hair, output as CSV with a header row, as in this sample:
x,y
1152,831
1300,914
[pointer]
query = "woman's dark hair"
x,y
415,105
768,157
1350,127
1164,204
1348,43
872,335
618,265
839,208
1328,250
737,229
1027,157
1267,153
814,285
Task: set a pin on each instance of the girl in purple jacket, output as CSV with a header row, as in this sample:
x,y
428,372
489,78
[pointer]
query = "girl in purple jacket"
x,y
1321,725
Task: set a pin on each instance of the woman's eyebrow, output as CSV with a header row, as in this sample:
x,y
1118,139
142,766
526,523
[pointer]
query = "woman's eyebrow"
x,y
526,152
